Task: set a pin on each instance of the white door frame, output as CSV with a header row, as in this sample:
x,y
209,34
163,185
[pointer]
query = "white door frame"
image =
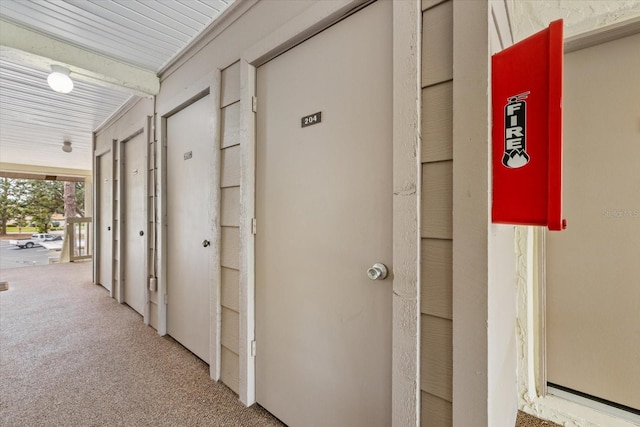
x,y
531,284
96,206
406,189
143,127
208,85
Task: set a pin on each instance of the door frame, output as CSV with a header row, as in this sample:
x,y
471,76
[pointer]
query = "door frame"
x,y
208,85
96,206
531,292
142,127
406,192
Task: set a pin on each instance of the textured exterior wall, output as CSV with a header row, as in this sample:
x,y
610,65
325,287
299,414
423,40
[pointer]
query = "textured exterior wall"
x,y
530,16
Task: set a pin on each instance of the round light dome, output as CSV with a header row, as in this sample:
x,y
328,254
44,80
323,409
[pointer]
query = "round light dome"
x,y
59,79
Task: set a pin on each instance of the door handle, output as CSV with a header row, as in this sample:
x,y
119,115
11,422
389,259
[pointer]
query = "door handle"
x,y
141,233
205,243
378,271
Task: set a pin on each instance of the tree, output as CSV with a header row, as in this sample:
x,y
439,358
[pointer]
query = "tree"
x,y
69,199
36,201
5,210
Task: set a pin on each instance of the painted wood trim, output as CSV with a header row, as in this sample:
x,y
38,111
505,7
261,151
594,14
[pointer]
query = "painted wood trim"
x,y
437,122
437,44
471,136
502,24
215,309
94,201
602,35
113,247
119,273
161,224
246,290
407,25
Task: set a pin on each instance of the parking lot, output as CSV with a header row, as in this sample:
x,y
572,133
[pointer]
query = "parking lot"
x,y
12,256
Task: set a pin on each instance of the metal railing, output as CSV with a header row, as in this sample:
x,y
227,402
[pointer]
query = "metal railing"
x,y
77,240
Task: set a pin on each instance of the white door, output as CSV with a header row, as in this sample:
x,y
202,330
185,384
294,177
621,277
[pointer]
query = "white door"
x,y
105,209
324,210
190,226
593,272
134,222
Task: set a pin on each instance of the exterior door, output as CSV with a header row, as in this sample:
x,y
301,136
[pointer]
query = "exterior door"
x,y
593,278
105,220
190,226
324,217
134,175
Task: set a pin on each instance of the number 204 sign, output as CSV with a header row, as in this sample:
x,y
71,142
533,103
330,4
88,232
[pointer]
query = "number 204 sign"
x,y
311,119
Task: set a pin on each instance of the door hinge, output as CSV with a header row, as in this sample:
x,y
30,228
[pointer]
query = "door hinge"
x,y
165,299
254,104
253,349
254,226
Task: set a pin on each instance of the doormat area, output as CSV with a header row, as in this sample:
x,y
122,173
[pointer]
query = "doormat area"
x,y
526,420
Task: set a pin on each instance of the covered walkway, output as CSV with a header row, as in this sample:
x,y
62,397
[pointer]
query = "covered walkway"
x,y
71,356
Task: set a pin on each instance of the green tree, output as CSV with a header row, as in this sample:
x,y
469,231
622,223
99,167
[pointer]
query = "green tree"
x,y
5,210
44,199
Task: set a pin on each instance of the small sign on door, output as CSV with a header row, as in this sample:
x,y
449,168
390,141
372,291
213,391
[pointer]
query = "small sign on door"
x,y
311,119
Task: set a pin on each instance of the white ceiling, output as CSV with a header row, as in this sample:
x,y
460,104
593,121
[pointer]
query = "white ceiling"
x,y
145,35
34,120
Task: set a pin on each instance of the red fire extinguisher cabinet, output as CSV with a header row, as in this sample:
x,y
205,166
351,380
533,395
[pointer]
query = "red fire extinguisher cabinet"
x,y
527,131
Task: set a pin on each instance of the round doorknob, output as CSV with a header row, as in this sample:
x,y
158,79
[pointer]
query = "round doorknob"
x,y
205,243
141,233
379,271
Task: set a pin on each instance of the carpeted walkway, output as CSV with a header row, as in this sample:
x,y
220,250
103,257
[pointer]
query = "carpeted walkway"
x,y
72,356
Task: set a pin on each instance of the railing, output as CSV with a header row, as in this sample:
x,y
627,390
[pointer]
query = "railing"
x,y
77,240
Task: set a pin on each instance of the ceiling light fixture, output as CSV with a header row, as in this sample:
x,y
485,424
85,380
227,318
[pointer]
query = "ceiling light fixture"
x,y
59,79
66,146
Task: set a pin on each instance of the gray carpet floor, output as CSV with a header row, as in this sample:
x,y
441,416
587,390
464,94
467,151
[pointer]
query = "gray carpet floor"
x,y
72,356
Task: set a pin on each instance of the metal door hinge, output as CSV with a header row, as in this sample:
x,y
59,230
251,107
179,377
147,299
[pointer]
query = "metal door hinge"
x,y
254,225
254,104
253,349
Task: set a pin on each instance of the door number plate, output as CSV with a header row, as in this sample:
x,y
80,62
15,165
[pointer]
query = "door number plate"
x,y
311,119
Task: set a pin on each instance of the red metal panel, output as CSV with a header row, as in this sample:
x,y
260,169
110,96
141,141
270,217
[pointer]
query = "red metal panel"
x,y
527,131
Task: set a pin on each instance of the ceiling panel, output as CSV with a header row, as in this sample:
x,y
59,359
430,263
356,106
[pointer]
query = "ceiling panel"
x,y
143,33
34,120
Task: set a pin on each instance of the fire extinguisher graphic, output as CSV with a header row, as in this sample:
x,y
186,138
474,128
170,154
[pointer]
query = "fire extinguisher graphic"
x,y
515,132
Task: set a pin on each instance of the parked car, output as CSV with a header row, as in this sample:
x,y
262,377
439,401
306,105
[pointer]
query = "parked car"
x,y
35,240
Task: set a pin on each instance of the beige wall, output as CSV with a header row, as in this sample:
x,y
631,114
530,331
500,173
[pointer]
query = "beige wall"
x,y
467,373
